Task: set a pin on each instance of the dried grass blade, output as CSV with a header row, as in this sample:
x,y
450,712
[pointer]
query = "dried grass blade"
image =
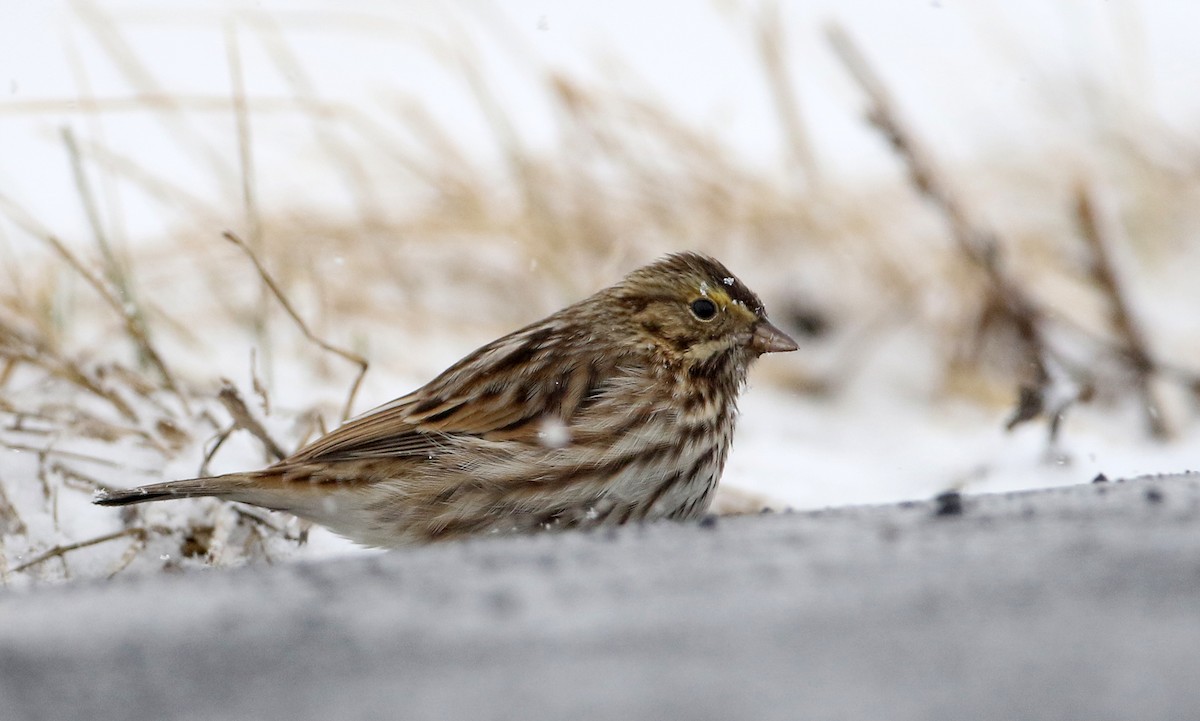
x,y
270,283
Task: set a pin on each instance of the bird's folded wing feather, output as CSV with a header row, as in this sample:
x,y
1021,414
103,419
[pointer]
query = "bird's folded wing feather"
x,y
501,392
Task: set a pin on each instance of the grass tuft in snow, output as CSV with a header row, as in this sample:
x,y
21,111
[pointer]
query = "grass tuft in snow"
x,y
935,306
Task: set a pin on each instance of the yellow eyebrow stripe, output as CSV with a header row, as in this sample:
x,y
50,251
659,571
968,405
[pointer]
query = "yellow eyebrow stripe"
x,y
722,298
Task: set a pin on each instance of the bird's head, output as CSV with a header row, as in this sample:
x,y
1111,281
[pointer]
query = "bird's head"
x,y
690,309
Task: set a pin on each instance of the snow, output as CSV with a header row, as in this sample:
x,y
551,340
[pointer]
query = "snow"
x,y
554,433
979,78
1054,604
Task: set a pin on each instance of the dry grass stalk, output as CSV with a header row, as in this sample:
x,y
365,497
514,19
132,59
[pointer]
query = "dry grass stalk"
x,y
18,349
248,176
245,142
117,292
1007,300
1102,232
156,185
60,551
771,47
291,311
292,70
76,456
139,74
131,553
153,102
256,383
243,418
80,71
10,519
631,177
217,442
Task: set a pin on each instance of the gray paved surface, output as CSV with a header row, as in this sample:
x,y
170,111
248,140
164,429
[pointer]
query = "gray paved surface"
x,y
1080,603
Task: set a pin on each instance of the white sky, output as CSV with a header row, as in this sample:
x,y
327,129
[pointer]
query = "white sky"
x,y
974,77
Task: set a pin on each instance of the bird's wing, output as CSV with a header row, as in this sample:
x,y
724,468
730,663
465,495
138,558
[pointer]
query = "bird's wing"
x,y
384,432
502,391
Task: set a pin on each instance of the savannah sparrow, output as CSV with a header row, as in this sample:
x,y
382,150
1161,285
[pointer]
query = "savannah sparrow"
x,y
618,408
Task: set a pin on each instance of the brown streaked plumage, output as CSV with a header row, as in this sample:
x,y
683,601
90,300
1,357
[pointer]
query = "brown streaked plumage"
x,y
618,408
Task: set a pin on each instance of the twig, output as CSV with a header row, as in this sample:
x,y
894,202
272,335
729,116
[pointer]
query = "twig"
x,y
978,244
133,326
221,438
256,383
75,456
10,518
69,371
131,553
287,306
242,418
314,427
42,465
72,478
260,519
59,551
1102,232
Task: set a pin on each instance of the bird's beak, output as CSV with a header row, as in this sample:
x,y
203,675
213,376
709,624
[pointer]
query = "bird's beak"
x,y
769,339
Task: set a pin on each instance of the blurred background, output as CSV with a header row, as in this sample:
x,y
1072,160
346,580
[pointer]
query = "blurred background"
x,y
979,219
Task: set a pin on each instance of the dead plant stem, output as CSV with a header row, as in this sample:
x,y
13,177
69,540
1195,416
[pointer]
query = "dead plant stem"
x,y
304,329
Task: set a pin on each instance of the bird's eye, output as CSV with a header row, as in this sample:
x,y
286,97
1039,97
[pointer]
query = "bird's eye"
x,y
704,309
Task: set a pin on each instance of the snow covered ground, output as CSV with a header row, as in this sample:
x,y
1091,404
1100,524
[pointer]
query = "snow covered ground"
x,y
1070,604
978,80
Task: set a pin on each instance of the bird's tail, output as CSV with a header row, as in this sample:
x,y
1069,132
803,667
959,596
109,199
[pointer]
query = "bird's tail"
x,y
223,486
